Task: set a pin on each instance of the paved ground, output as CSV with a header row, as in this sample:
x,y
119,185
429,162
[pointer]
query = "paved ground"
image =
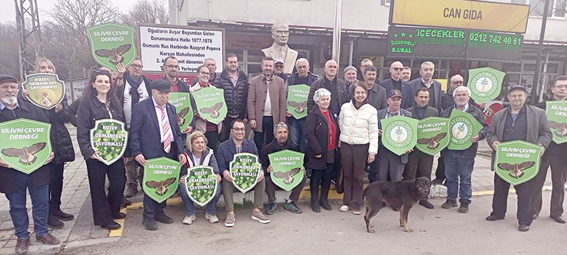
x,y
133,239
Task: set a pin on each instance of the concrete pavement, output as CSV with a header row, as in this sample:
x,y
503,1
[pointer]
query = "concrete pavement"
x,y
81,231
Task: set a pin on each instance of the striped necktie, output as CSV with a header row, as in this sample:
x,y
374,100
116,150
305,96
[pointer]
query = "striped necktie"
x,y
166,129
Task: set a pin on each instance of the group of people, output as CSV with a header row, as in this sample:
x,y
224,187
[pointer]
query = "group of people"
x,y
340,137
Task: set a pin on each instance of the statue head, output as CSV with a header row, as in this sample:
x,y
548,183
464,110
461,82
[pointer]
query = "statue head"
x,y
280,33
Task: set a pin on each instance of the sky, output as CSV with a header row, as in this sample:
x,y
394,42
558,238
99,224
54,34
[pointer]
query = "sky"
x,y
8,13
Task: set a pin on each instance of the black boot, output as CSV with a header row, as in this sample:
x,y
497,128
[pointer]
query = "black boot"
x,y
314,186
61,215
54,222
323,200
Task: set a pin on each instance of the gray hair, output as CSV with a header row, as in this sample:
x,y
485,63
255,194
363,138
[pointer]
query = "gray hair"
x,y
456,76
427,63
280,125
459,88
320,93
300,60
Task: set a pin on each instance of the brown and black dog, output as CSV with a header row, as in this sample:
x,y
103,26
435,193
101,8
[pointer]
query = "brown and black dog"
x,y
402,194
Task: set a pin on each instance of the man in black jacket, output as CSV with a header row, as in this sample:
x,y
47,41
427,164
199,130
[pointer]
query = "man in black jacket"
x,y
554,156
15,183
234,82
332,83
136,88
459,164
420,164
302,76
278,144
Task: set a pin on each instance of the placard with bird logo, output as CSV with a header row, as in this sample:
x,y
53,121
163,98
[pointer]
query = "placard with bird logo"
x,y
26,144
297,96
517,161
463,127
245,171
161,177
399,134
112,44
210,104
44,90
183,109
557,120
485,84
432,135
109,138
288,168
201,184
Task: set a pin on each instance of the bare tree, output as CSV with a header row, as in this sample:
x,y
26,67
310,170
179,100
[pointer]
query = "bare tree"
x,y
146,11
9,50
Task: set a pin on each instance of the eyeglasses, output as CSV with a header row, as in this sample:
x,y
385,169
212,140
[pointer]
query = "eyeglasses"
x,y
173,66
136,66
457,82
238,129
397,68
560,86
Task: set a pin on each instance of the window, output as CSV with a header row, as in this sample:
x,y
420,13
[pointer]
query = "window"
x,y
557,8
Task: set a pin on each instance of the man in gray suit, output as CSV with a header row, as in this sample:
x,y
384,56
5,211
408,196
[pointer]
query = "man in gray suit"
x,y
390,165
376,93
426,80
523,122
280,49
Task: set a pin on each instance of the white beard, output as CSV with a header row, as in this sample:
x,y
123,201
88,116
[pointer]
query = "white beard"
x,y
9,100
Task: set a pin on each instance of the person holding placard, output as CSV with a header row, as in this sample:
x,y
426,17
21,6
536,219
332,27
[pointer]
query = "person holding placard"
x,y
62,147
210,130
100,102
322,132
15,183
522,122
154,133
358,122
280,143
554,156
198,154
459,164
227,149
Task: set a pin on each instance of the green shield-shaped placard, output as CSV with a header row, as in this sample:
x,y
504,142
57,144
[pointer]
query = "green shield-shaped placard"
x,y
111,44
201,184
44,90
463,127
245,170
25,144
161,177
297,100
557,120
109,138
485,83
288,168
182,103
517,161
433,135
399,134
210,104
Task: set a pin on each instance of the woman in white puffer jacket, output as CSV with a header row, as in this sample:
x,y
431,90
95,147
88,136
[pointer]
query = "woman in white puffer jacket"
x,y
358,122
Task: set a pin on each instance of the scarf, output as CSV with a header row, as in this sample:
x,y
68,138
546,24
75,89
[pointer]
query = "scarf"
x,y
134,84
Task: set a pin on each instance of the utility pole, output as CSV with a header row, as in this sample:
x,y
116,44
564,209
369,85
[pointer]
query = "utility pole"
x,y
337,30
30,40
533,99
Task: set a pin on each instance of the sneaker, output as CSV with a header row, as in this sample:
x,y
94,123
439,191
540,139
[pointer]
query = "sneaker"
x,y
230,219
356,212
188,220
259,216
290,206
150,224
493,218
524,228
344,208
212,218
426,204
22,245
450,203
464,207
48,239
272,207
131,191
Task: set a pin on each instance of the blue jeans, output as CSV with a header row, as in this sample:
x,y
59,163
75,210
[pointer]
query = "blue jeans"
x,y
298,133
18,211
457,167
190,207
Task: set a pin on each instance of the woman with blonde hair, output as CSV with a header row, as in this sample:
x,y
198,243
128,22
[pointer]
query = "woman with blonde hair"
x,y
198,154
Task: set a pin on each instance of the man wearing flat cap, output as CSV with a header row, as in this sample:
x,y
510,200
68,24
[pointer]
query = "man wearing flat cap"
x,y
518,121
154,133
14,183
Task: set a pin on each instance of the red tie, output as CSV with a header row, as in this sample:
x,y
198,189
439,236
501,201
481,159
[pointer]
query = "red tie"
x,y
166,130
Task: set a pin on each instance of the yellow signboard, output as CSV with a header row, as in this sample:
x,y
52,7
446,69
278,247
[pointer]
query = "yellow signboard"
x,y
462,14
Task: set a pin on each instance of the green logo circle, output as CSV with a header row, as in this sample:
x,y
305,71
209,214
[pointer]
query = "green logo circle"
x,y
399,134
484,84
461,130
